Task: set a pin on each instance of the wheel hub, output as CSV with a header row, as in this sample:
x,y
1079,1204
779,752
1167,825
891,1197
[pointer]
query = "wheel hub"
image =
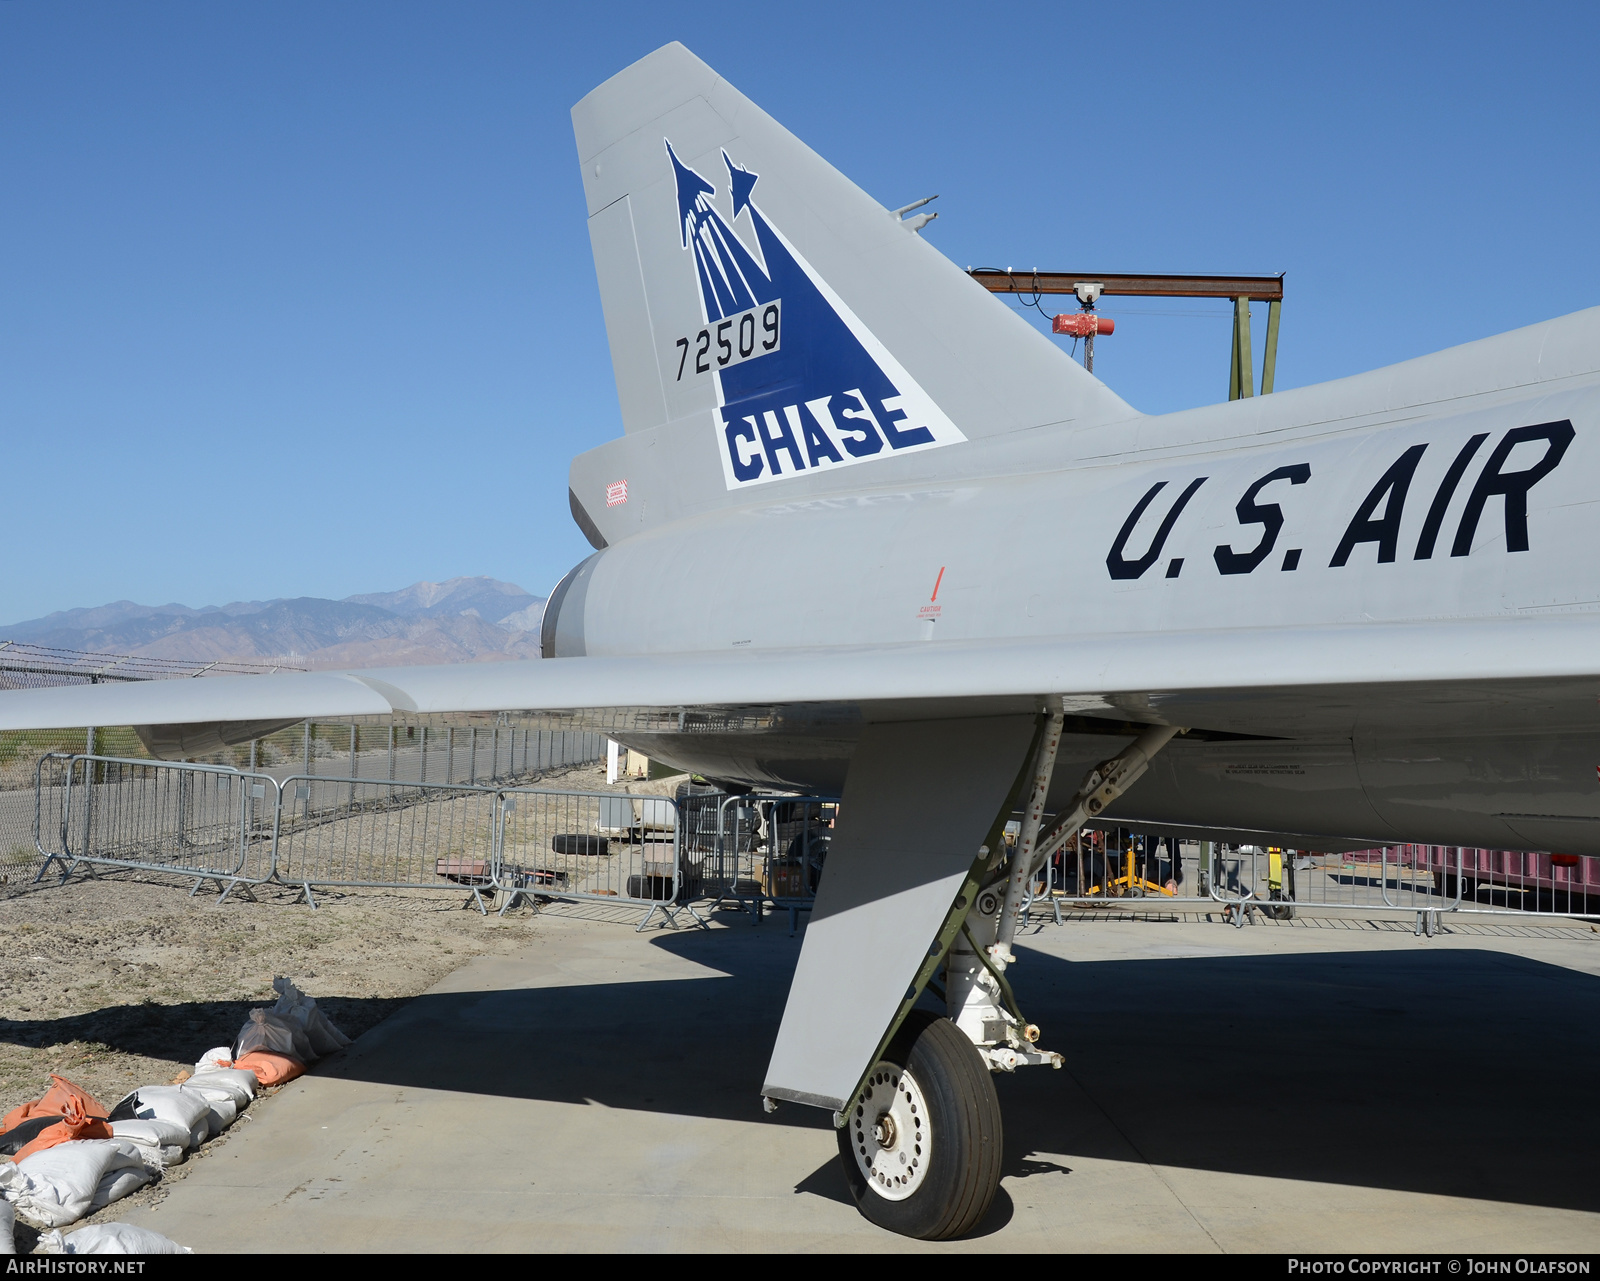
x,y
889,1132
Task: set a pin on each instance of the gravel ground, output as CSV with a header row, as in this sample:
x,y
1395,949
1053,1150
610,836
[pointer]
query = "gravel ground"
x,y
123,980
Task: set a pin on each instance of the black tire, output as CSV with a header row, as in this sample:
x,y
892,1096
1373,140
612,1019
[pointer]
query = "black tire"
x,y
963,1119
580,843
656,889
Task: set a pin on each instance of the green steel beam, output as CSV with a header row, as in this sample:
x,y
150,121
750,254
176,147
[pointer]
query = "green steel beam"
x,y
1269,364
1233,357
1243,358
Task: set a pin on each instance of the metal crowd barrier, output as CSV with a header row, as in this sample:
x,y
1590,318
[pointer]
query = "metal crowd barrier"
x,y
1422,881
207,822
216,823
350,832
594,846
1278,882
241,828
1246,880
1430,880
757,849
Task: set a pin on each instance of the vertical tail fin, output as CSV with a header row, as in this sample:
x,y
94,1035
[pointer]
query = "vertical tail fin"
x,y
757,297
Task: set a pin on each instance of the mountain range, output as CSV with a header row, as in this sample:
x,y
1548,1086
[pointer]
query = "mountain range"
x,y
463,620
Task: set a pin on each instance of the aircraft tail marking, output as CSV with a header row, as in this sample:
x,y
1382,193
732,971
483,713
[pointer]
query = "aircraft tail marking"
x,y
759,299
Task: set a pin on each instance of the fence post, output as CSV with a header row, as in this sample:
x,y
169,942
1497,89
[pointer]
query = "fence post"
x,y
422,773
449,753
89,774
472,743
353,745
391,756
497,835
306,768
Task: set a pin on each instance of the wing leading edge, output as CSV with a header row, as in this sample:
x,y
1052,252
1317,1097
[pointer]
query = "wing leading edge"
x,y
1261,680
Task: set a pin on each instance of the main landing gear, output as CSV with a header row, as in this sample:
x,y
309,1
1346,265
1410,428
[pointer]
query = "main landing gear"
x,y
921,1149
921,1144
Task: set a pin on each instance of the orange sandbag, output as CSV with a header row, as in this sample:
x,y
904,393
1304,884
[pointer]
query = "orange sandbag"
x,y
270,1068
74,1124
54,1103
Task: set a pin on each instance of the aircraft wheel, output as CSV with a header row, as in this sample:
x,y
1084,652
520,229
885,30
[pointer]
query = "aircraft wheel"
x,y
921,1147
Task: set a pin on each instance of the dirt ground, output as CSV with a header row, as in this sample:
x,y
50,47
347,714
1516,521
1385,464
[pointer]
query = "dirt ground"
x,y
121,980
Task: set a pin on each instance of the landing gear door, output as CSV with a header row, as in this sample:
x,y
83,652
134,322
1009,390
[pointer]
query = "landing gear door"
x,y
918,801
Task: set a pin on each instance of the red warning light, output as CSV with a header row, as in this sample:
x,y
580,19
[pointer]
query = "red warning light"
x,y
1083,324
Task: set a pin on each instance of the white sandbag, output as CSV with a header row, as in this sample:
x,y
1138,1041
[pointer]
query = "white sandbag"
x,y
109,1238
236,1085
177,1103
295,1005
266,1030
154,1136
223,1114
118,1183
8,1228
62,1184
212,1058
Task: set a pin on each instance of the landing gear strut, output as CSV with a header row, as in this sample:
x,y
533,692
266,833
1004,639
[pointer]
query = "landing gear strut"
x,y
921,1143
921,1148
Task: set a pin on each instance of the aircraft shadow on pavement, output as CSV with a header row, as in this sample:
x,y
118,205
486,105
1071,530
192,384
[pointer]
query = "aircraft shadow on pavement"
x,y
1456,1073
1459,1073
182,1031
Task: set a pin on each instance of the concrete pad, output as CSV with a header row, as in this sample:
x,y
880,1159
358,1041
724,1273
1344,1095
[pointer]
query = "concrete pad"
x,y
1274,1088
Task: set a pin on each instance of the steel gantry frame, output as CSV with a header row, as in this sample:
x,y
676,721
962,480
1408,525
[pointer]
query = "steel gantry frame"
x,y
1243,290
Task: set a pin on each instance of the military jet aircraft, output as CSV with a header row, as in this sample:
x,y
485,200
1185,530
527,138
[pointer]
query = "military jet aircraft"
x,y
869,534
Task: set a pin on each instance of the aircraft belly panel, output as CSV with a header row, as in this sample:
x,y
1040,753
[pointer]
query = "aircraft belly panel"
x,y
786,762
1266,785
1515,791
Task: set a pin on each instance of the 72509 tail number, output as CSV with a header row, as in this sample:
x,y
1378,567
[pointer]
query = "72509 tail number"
x,y
732,341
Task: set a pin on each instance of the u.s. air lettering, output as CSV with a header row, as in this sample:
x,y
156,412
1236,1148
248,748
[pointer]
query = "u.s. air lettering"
x,y
1377,520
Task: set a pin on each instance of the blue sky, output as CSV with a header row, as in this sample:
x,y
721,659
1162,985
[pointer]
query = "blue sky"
x,y
296,299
